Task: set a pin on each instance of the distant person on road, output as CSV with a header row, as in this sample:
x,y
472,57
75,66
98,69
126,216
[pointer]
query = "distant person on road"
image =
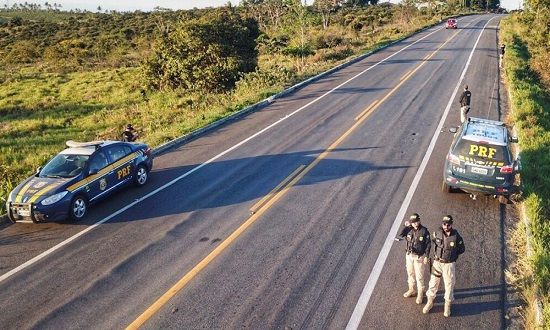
x,y
448,245
417,256
465,103
129,134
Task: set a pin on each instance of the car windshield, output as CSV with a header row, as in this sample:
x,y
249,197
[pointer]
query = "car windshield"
x,y
64,166
481,152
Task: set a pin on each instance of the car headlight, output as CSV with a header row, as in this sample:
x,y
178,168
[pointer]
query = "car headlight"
x,y
54,198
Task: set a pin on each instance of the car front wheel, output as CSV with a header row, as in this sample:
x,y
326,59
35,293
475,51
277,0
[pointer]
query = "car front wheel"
x,y
141,176
79,207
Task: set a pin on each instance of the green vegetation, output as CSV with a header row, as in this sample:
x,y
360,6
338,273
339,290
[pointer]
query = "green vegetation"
x,y
209,53
83,76
527,71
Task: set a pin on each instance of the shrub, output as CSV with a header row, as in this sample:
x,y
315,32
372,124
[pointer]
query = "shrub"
x,y
209,53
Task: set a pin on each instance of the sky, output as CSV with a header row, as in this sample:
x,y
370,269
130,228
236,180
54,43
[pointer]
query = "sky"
x,y
128,5
147,5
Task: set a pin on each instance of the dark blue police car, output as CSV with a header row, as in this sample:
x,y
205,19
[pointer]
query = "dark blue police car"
x,y
82,174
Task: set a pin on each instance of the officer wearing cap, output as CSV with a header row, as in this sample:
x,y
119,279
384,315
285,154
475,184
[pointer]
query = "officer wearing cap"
x,y
416,258
448,245
129,134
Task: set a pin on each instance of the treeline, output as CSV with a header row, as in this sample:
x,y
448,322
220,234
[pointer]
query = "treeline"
x,y
89,41
80,42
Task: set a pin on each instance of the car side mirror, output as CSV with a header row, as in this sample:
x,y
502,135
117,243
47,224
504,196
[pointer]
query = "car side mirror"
x,y
92,172
514,139
453,129
38,169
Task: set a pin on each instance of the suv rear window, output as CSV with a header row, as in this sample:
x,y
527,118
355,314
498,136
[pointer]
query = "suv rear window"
x,y
470,150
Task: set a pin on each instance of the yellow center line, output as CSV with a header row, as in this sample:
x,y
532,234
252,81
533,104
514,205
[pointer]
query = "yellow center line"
x,y
405,75
276,189
366,110
157,305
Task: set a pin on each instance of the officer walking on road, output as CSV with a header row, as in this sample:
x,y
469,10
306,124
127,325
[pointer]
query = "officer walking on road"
x,y
448,245
465,103
418,251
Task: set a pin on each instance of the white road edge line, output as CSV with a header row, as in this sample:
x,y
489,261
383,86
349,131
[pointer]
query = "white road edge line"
x,y
72,238
363,301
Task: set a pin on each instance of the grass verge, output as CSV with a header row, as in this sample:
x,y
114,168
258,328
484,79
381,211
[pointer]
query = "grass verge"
x,y
530,103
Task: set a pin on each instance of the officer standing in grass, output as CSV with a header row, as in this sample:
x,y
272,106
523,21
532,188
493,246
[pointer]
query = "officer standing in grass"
x,y
465,103
448,245
418,251
129,134
501,55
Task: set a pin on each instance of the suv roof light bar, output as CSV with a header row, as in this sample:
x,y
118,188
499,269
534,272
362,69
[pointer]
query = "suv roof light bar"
x,y
486,121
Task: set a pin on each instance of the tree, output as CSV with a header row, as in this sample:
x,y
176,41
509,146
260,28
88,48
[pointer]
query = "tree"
x,y
204,54
357,3
326,8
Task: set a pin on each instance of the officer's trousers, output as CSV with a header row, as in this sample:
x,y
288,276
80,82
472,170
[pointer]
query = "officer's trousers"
x,y
415,271
445,271
464,113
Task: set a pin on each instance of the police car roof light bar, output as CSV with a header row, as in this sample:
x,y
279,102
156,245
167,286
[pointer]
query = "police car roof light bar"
x,y
75,144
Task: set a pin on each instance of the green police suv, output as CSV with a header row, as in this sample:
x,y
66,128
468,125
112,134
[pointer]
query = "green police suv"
x,y
480,160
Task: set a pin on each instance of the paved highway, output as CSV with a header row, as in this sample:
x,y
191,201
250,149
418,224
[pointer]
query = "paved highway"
x,y
286,217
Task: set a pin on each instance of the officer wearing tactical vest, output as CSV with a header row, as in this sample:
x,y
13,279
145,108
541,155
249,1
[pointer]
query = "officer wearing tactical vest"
x,y
418,251
448,245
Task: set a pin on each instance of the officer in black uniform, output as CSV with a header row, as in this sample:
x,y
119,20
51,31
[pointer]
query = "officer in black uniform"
x,y
129,134
501,55
448,245
416,258
465,103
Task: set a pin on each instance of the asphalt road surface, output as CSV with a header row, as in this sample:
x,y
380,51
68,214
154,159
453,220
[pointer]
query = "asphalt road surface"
x,y
277,220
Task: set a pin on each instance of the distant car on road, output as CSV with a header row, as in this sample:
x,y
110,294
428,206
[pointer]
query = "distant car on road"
x,y
480,160
82,174
451,24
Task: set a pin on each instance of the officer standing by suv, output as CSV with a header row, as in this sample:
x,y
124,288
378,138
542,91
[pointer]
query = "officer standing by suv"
x,y
465,103
448,245
418,251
